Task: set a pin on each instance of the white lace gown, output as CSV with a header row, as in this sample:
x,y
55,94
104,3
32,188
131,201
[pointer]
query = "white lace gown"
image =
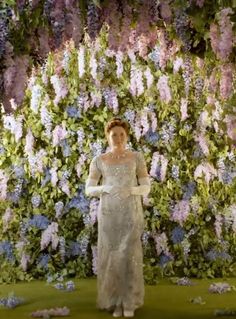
x,y
120,226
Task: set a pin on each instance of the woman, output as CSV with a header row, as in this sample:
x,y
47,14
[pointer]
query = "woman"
x,y
120,221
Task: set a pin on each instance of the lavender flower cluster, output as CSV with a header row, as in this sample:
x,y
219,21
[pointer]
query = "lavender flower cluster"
x,y
219,287
184,281
68,286
11,301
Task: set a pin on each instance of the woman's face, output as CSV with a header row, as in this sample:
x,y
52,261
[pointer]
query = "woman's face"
x,y
117,137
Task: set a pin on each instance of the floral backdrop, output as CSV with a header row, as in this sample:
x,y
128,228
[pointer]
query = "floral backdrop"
x,y
170,73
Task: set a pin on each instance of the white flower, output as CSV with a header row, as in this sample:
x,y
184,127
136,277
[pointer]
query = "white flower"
x,y
35,97
29,142
3,184
119,64
59,133
149,77
81,61
205,170
49,235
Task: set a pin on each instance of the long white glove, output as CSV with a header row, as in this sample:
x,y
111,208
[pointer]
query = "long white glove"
x,y
91,188
142,189
126,191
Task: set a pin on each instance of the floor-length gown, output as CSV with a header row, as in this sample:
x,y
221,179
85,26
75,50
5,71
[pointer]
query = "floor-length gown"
x,y
120,226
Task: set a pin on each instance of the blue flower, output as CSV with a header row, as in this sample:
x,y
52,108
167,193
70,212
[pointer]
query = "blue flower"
x,y
38,221
73,249
227,177
74,203
152,137
189,190
177,235
158,173
6,249
164,259
175,171
11,301
47,177
2,150
213,255
19,171
72,111
43,261
66,150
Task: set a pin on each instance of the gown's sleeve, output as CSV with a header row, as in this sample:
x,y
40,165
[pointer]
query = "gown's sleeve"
x,y
143,177
91,188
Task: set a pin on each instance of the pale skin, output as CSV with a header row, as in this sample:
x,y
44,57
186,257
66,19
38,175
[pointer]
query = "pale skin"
x,y
117,139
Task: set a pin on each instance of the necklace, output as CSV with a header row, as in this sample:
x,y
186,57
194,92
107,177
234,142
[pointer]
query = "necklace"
x,y
113,156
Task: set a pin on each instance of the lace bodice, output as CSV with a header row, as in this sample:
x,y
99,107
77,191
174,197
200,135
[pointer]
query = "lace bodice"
x,y
126,173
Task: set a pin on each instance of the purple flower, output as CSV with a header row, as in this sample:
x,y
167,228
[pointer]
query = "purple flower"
x,y
47,177
11,301
66,150
152,137
73,249
43,261
38,221
36,200
164,259
73,112
189,190
177,235
6,249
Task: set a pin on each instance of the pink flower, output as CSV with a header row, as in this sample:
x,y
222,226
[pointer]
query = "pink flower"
x,y
164,89
201,139
226,81
149,77
181,212
183,109
178,63
213,82
53,172
80,165
119,64
93,65
205,170
164,52
161,243
136,81
230,121
165,10
59,133
200,3
222,36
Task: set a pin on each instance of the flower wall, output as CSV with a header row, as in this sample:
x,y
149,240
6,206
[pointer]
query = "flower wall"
x,y
181,108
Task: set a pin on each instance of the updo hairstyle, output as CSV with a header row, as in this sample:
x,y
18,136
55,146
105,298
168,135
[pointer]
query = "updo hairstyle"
x,y
116,121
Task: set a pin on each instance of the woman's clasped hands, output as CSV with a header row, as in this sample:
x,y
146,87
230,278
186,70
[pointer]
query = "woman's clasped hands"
x,y
120,192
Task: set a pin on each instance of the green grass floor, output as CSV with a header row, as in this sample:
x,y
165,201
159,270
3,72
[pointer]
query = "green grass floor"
x,y
163,301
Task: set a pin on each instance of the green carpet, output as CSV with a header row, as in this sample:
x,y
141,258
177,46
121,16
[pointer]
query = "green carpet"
x,y
163,301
